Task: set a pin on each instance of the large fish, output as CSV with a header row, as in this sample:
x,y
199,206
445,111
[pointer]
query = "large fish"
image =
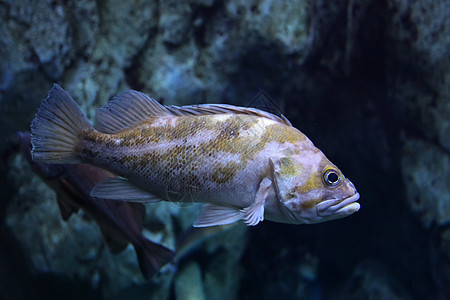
x,y
120,222
242,163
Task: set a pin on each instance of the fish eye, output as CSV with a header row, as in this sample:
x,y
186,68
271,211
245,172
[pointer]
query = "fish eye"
x,y
332,178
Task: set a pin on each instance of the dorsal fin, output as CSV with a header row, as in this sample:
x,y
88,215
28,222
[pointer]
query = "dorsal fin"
x,y
131,108
127,109
214,109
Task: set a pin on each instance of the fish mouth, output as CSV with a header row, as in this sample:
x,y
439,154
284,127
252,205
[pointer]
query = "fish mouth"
x,y
344,207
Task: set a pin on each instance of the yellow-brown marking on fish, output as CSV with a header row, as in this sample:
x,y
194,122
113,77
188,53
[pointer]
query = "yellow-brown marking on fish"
x,y
217,134
312,183
283,134
288,167
310,203
222,174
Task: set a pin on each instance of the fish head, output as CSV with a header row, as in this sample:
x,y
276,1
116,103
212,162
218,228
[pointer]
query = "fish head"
x,y
310,189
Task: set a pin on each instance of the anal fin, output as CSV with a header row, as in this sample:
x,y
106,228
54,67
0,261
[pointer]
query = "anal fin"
x,y
151,256
117,188
214,215
66,206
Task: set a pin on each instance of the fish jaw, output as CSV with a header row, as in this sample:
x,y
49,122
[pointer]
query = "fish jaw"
x,y
326,210
336,209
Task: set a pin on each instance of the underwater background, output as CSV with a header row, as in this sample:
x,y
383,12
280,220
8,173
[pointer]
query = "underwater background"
x,y
367,81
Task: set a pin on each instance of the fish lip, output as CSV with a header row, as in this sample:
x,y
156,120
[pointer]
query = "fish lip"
x,y
332,206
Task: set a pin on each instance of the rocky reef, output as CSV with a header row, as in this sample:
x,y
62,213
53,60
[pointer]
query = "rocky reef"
x,y
367,81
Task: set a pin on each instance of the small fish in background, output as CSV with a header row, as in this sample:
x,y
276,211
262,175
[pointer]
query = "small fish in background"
x,y
242,163
120,222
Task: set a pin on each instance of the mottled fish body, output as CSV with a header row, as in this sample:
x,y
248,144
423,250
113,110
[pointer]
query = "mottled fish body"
x,y
209,158
243,163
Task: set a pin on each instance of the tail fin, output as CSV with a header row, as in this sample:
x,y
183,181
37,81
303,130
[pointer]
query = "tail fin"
x,y
152,257
56,128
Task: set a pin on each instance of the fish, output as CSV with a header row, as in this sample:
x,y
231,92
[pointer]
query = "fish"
x,y
120,222
241,163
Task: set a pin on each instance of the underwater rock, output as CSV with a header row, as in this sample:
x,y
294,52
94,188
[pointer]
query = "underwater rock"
x,y
371,280
425,173
200,60
223,271
189,283
419,31
281,272
418,69
419,79
24,39
420,84
441,265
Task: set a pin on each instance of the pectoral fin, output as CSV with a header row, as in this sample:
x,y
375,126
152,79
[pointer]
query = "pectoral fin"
x,y
117,188
214,215
254,213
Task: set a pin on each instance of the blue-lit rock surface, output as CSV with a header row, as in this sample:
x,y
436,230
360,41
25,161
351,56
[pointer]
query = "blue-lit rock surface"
x,y
367,81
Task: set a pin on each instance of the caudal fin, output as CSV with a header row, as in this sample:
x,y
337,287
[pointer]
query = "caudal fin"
x,y
152,257
56,129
